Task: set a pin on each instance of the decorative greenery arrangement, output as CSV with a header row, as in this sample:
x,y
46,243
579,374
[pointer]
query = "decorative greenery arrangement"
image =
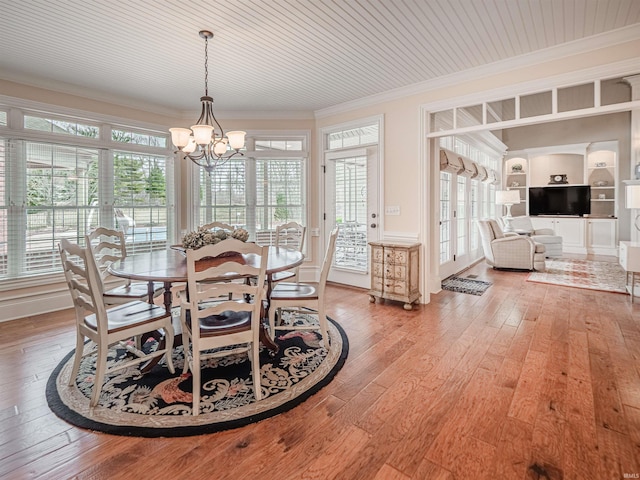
x,y
203,236
516,167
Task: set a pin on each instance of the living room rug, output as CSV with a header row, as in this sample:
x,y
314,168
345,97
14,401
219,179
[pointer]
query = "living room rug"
x,y
465,285
158,404
592,275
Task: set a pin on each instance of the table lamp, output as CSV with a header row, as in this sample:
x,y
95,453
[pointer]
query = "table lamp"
x,y
632,200
508,198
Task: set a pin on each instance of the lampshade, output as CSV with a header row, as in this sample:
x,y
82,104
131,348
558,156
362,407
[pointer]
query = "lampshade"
x,y
632,197
507,197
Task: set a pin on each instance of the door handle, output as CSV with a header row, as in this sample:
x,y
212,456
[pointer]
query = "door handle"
x,y
373,225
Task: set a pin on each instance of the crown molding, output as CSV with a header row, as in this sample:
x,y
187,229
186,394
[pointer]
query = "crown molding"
x,y
576,47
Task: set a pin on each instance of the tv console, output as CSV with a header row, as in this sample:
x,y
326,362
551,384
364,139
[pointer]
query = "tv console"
x,y
582,235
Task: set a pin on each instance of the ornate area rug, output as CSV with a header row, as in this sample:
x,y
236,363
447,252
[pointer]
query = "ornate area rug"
x,y
465,285
592,275
158,404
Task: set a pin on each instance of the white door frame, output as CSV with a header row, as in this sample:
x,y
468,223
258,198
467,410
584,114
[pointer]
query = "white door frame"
x,y
378,169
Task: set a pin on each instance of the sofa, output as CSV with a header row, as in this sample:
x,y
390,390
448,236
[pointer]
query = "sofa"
x,y
545,236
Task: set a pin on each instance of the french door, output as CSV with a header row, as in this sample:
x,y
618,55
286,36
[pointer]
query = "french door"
x,y
459,210
351,203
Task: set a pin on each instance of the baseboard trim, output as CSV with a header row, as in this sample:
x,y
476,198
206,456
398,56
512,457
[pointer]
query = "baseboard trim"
x,y
36,304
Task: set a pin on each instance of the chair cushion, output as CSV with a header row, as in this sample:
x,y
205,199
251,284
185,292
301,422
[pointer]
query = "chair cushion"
x,y
128,315
522,224
540,248
547,239
134,290
497,231
224,323
295,291
280,276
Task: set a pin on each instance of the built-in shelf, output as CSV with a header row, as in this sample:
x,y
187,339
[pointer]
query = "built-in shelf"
x,y
581,164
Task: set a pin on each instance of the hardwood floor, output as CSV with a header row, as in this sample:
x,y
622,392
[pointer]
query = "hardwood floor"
x,y
525,381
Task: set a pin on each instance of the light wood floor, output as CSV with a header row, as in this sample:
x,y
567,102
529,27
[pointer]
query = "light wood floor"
x,y
525,381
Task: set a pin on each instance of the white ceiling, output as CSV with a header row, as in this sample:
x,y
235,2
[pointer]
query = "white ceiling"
x,y
277,55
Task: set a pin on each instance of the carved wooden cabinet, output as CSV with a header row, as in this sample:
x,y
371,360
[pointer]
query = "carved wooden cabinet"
x,y
395,272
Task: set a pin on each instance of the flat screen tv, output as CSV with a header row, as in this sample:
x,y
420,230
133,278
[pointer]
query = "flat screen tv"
x,y
560,200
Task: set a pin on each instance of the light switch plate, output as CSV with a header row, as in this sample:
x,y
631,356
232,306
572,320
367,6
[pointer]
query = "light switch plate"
x,y
392,210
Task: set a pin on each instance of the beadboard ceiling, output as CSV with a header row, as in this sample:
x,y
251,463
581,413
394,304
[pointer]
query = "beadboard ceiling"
x,y
279,56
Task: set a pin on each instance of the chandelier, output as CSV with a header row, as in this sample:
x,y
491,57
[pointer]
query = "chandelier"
x,y
205,143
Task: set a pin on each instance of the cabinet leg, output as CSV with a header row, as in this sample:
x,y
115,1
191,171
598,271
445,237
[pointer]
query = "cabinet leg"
x,y
408,306
372,299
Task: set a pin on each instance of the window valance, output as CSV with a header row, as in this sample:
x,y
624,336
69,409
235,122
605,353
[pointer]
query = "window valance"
x,y
482,173
450,161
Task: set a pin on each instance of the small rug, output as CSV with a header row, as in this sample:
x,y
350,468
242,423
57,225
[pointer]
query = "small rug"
x,y
592,275
465,285
159,404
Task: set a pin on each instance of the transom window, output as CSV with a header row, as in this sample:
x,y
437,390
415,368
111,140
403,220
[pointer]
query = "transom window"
x,y
61,126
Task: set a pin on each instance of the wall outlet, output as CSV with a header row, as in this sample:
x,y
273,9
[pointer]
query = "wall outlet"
x,y
315,232
392,210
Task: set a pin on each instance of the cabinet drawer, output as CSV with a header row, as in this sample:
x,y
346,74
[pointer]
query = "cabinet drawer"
x,y
393,256
377,254
395,271
377,270
377,284
396,287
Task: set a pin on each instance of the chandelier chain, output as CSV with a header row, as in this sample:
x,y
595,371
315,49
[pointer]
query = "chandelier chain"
x,y
206,67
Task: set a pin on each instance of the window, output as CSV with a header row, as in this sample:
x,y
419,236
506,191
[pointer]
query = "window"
x,y
461,215
140,200
4,211
53,186
64,127
129,136
475,214
445,217
257,192
279,193
223,194
355,137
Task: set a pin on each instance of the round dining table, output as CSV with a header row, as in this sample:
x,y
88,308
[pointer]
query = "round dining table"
x,y
170,266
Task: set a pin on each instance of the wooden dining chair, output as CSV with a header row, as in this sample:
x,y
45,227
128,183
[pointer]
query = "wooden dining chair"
x,y
211,319
303,295
219,226
108,246
290,235
108,327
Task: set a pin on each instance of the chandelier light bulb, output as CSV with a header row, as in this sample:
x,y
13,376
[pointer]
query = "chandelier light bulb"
x,y
191,146
180,136
220,146
202,134
236,139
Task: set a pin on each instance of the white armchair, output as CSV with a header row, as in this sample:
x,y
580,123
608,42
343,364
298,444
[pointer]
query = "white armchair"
x,y
545,236
511,250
